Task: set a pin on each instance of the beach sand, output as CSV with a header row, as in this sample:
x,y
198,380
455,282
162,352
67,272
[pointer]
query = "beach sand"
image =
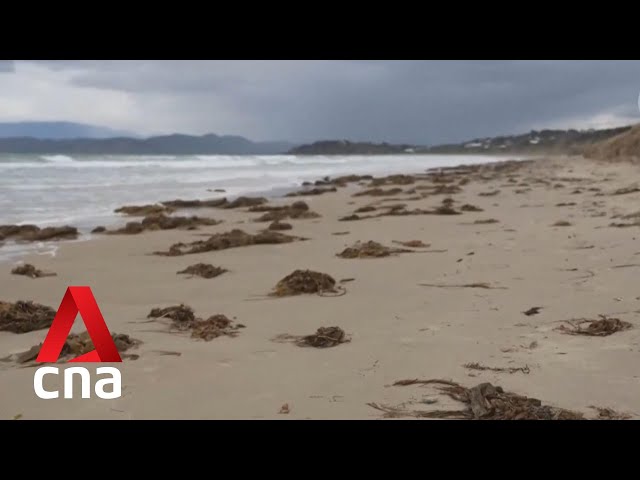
x,y
399,329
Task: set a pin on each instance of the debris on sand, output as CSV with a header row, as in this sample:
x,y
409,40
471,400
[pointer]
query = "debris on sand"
x,y
378,192
183,319
566,204
366,209
325,337
278,225
99,229
340,233
466,285
161,221
33,233
625,190
479,366
370,249
213,203
483,402
297,210
594,328
532,311
203,270
213,327
396,179
307,282
445,210
610,414
143,210
29,270
76,345
489,194
23,317
245,202
347,280
413,243
284,409
311,191
467,207
486,221
562,223
180,314
233,239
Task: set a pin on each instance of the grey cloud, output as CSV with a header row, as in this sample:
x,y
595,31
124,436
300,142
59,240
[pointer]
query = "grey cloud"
x,y
396,101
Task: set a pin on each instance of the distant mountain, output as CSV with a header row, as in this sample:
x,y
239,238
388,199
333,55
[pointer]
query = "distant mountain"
x,y
57,130
345,147
161,145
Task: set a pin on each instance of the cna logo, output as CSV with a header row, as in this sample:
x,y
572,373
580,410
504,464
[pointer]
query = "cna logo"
x,y
79,300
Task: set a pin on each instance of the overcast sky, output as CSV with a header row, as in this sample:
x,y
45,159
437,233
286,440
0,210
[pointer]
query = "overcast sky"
x,y
422,102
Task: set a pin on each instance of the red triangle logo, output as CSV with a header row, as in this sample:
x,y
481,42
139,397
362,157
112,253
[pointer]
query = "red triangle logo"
x,y
79,300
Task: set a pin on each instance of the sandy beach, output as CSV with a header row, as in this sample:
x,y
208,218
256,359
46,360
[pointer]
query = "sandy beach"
x,y
450,310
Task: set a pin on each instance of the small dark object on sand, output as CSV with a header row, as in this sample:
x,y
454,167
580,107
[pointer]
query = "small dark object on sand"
x,y
626,190
213,327
595,328
181,314
278,225
562,223
29,270
305,282
370,249
340,233
203,270
483,402
365,209
532,311
23,317
185,320
489,194
467,207
324,337
465,285
486,222
445,210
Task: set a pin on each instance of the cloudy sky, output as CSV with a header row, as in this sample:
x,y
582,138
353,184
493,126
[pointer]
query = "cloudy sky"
x,y
423,102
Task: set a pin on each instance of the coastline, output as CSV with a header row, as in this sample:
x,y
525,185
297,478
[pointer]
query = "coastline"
x,y
399,328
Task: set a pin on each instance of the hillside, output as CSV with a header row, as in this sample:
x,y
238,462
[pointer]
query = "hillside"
x,y
620,147
161,145
544,141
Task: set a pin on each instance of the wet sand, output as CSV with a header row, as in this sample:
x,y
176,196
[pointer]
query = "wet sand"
x,y
399,329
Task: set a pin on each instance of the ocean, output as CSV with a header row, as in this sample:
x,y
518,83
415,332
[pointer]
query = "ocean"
x,y
83,191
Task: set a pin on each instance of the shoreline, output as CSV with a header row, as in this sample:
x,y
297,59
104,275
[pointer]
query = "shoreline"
x,y
272,194
453,310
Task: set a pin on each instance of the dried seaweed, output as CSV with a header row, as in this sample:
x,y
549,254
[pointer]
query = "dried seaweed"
x,y
184,319
562,223
233,239
465,285
325,337
594,328
306,282
23,317
479,366
412,243
370,249
483,402
203,270
29,270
